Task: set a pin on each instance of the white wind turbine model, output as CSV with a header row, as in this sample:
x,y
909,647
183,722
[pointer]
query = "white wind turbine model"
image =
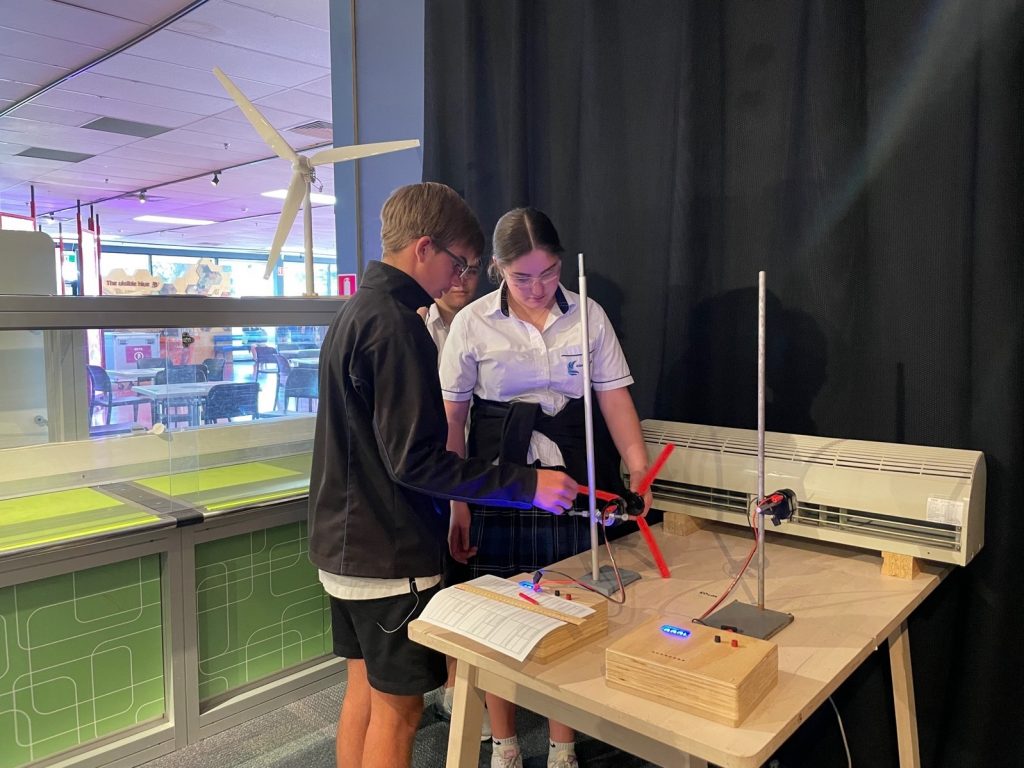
x,y
303,174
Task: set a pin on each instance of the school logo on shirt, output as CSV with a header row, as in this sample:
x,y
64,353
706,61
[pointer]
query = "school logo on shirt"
x,y
573,368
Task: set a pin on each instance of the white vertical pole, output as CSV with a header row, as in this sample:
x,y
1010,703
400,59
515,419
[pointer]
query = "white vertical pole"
x,y
307,226
760,432
588,415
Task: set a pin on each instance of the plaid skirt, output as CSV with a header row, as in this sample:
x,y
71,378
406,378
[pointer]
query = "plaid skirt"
x,y
512,541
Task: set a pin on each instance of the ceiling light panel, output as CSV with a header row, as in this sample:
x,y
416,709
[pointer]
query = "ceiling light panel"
x,y
155,219
54,154
316,197
126,127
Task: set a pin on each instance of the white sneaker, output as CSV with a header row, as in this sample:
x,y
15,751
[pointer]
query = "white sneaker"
x,y
444,711
563,760
506,757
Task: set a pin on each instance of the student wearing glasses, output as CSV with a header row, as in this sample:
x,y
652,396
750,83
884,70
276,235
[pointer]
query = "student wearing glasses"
x,y
439,314
514,357
377,522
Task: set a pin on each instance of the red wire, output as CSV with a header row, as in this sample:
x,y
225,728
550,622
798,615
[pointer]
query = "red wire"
x,y
750,556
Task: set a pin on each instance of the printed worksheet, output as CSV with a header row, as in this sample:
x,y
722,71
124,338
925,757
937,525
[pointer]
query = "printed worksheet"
x,y
505,628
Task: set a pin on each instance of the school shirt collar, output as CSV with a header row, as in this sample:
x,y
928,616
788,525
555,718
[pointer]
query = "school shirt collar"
x,y
499,300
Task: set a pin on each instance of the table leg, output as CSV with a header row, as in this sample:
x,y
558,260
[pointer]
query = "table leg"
x,y
903,697
467,717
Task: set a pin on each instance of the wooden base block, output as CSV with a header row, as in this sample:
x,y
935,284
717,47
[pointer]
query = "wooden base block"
x,y
716,680
569,637
680,524
900,566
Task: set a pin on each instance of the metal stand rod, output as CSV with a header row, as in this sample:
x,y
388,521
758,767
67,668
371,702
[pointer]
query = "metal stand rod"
x,y
588,417
760,433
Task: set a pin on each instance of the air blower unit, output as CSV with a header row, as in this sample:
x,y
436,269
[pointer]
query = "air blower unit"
x,y
888,497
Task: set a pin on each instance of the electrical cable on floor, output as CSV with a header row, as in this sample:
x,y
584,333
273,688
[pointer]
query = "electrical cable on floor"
x,y
846,746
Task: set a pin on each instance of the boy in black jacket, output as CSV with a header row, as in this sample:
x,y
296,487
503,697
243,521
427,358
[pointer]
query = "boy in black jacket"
x,y
382,477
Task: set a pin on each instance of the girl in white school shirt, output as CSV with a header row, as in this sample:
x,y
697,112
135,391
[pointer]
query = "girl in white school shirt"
x,y
515,355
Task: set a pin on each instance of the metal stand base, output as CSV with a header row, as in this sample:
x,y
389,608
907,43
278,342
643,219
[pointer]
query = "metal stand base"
x,y
748,620
606,583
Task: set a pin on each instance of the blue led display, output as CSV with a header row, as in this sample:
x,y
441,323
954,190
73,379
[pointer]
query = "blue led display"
x,y
668,629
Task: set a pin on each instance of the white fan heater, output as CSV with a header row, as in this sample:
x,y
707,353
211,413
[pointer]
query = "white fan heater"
x,y
908,499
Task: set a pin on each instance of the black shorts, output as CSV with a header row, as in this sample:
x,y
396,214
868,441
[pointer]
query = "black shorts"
x,y
394,663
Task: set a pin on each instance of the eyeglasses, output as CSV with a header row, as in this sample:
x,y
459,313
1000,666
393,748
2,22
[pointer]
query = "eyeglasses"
x,y
548,276
460,267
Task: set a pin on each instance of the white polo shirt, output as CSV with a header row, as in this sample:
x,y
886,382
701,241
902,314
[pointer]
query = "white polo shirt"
x,y
436,328
493,354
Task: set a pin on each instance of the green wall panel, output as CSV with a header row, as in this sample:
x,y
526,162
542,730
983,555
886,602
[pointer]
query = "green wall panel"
x,y
81,657
261,608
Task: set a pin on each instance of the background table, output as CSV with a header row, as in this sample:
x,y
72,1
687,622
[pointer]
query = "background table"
x,y
191,394
844,608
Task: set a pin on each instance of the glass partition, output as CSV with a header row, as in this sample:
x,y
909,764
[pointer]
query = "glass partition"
x,y
128,412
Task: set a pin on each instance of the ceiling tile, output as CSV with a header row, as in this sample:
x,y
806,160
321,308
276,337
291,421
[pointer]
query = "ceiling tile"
x,y
321,87
33,72
237,62
69,23
180,75
12,90
34,133
32,47
146,93
246,27
148,12
107,106
315,13
44,114
317,107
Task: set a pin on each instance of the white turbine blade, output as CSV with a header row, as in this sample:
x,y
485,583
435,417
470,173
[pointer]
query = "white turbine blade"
x,y
356,151
259,122
296,191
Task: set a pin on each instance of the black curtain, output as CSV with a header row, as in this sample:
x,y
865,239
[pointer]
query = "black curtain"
x,y
869,157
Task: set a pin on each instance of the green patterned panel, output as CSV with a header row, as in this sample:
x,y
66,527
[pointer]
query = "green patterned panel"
x,y
261,608
81,657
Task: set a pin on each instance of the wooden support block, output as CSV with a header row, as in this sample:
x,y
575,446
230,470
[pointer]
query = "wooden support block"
x,y
717,680
681,525
900,566
571,636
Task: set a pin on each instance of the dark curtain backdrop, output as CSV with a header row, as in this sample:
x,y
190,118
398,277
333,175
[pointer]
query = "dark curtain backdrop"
x,y
868,156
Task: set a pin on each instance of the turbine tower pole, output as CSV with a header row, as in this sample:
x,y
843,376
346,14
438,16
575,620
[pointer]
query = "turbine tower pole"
x,y
307,225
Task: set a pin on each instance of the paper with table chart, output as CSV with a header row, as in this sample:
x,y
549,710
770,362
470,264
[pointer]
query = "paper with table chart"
x,y
506,628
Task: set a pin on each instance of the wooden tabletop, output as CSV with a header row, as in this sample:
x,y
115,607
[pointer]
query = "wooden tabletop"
x,y
844,609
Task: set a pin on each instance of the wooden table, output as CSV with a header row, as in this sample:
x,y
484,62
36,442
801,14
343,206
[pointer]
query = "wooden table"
x,y
844,608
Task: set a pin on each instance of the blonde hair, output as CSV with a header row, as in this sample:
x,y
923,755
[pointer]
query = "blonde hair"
x,y
428,209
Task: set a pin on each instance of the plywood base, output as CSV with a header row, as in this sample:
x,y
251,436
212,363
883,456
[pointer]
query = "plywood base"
x,y
681,525
717,680
569,637
900,566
